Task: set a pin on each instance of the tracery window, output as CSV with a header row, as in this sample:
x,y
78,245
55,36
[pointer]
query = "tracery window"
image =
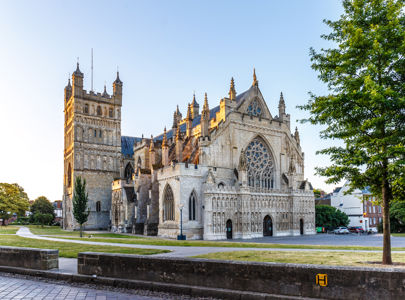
x,y
259,164
110,112
168,204
69,176
128,171
254,108
98,206
191,207
99,112
86,108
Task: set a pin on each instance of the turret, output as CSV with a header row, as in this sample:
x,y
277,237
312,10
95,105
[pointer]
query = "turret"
x,y
281,106
205,118
232,92
117,89
195,108
68,91
77,79
297,136
152,154
189,122
179,145
165,150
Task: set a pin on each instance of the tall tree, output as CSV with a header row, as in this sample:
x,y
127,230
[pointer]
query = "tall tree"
x,y
43,206
80,200
365,107
13,199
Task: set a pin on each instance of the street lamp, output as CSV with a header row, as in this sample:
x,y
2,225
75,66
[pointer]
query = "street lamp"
x,y
181,236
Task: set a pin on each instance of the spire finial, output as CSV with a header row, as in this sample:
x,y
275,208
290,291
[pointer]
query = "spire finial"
x,y
255,82
152,144
77,72
118,80
164,141
189,116
205,100
232,92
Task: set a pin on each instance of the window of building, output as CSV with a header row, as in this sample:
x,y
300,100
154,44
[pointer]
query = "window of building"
x,y
69,176
379,209
100,134
254,108
95,132
221,185
99,112
128,172
98,206
110,112
259,164
86,108
191,207
168,204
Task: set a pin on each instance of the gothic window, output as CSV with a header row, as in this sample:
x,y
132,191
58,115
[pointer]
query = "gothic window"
x,y
221,185
100,134
99,112
168,204
86,108
69,176
191,207
128,172
139,162
98,206
110,112
259,164
254,108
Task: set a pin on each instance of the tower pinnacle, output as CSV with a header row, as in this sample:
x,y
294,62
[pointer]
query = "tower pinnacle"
x,y
232,92
255,81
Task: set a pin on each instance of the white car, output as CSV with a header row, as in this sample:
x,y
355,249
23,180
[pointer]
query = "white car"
x,y
372,230
341,230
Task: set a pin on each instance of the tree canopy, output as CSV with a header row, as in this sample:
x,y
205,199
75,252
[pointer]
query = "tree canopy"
x,y
13,199
365,108
42,205
330,217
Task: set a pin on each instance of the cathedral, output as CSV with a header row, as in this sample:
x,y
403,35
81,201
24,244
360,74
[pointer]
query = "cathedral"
x,y
231,171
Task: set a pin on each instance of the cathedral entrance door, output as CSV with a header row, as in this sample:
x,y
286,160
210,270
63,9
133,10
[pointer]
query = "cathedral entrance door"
x,y
229,229
301,226
267,226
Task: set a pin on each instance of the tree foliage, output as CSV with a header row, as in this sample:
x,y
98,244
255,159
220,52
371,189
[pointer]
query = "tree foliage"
x,y
365,74
318,193
42,205
13,199
80,200
330,217
397,216
43,218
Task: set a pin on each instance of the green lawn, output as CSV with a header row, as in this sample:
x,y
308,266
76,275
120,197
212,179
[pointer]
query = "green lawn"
x,y
398,234
307,257
164,242
69,249
10,229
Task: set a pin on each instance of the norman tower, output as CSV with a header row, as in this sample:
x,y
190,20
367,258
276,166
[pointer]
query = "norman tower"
x,y
92,150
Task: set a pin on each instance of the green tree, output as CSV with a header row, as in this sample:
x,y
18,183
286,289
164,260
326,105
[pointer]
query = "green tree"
x,y
43,218
397,216
365,107
318,193
330,217
80,199
13,199
42,205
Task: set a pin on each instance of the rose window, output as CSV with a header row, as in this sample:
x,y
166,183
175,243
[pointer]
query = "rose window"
x,y
259,164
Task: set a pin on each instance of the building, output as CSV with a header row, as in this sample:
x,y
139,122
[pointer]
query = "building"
x,y
232,171
58,209
359,206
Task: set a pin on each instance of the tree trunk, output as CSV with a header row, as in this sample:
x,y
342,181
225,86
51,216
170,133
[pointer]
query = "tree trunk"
x,y
81,230
386,259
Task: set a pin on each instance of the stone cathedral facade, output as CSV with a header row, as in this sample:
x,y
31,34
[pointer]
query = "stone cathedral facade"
x,y
231,171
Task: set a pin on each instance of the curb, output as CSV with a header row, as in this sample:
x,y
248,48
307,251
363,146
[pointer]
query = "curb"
x,y
195,291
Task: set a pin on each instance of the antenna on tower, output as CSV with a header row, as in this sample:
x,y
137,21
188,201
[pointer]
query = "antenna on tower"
x,y
92,69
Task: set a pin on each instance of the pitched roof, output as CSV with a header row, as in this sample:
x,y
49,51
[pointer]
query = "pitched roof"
x,y
127,145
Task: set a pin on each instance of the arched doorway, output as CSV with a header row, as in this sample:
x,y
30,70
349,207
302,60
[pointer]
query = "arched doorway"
x,y
267,226
301,226
229,229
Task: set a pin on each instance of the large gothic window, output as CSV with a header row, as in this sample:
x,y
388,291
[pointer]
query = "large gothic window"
x,y
69,176
168,204
191,207
254,108
128,171
259,164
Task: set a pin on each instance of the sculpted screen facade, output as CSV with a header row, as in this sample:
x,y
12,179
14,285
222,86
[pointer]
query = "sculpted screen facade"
x,y
234,171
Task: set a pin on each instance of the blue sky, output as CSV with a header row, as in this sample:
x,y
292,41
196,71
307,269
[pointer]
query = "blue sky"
x,y
165,50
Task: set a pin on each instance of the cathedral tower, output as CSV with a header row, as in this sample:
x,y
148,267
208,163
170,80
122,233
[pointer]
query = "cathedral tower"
x,y
92,148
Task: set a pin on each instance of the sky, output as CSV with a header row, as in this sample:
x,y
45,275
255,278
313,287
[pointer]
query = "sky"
x,y
165,51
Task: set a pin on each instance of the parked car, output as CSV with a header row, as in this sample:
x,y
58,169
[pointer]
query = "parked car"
x,y
356,229
341,230
372,230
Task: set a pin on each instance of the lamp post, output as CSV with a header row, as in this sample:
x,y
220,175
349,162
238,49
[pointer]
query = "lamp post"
x,y
181,236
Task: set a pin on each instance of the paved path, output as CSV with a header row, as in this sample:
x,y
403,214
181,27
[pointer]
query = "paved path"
x,y
182,251
18,288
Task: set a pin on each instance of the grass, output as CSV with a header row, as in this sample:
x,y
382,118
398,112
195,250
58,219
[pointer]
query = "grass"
x,y
10,229
307,257
71,250
398,234
164,242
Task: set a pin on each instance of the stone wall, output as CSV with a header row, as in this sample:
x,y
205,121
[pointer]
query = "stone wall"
x,y
31,258
268,278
